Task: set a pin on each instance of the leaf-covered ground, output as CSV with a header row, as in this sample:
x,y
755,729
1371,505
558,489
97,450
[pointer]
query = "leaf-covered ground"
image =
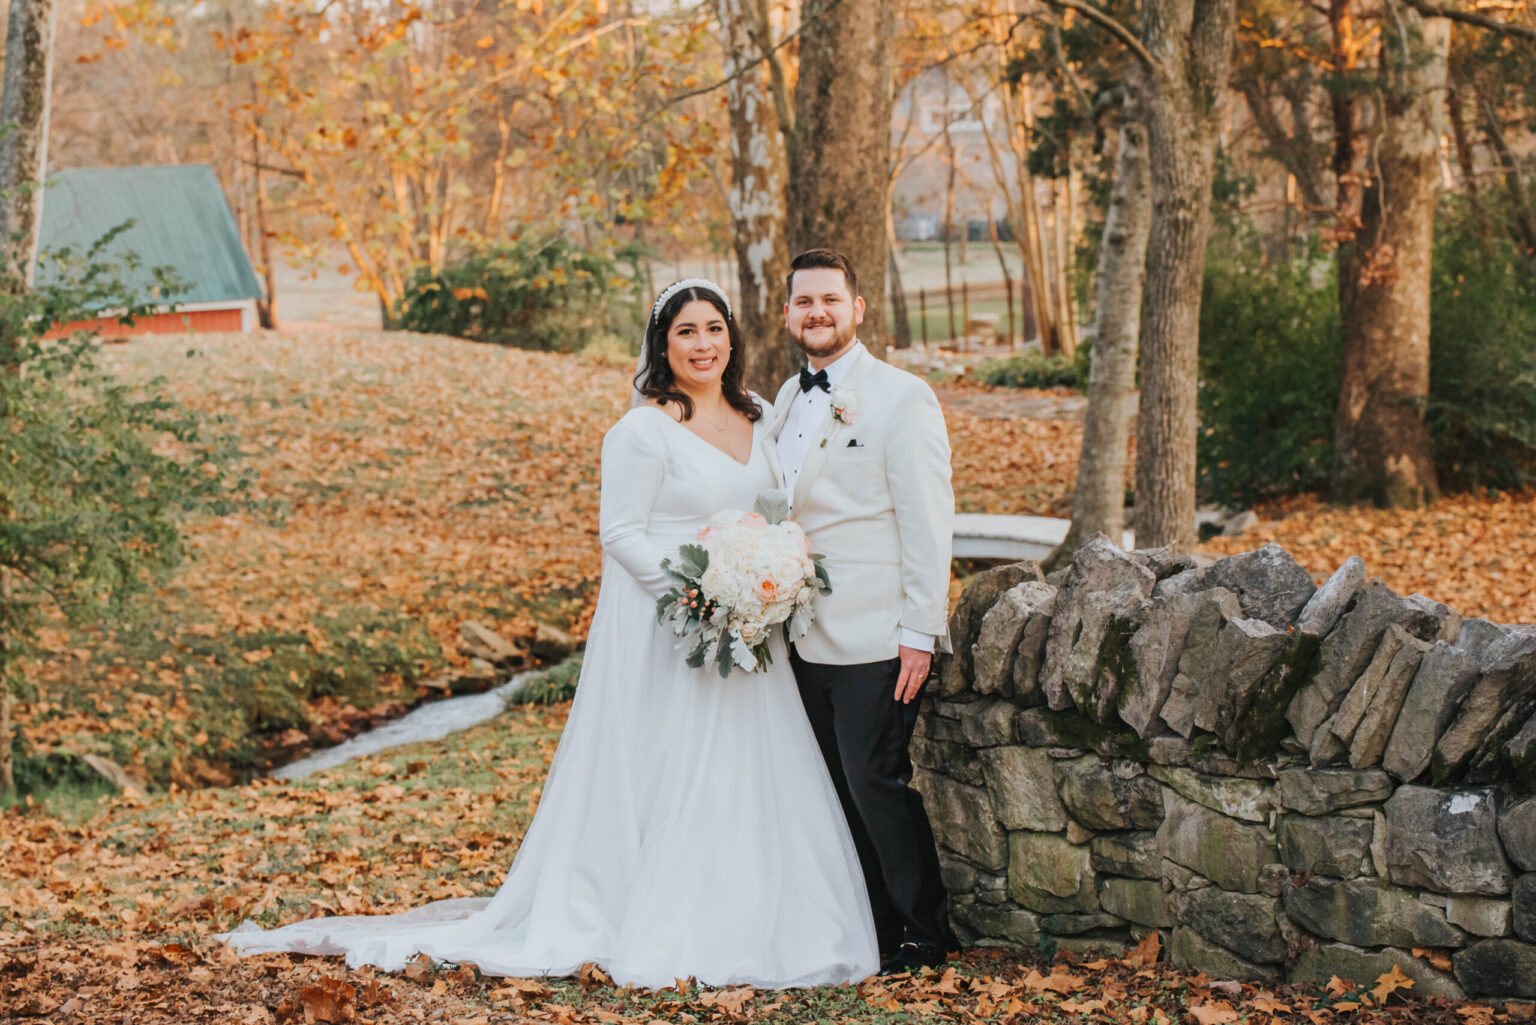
x,y
406,483
111,918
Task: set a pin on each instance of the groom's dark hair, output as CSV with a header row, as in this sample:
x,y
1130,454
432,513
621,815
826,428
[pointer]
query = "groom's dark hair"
x,y
829,259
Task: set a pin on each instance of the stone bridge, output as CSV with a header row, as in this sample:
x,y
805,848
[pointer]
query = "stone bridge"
x,y
1289,781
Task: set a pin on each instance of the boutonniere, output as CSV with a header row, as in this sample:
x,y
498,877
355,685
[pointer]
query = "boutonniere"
x,y
845,405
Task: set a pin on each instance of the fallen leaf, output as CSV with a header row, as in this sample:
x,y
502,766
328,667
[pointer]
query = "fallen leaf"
x,y
1390,982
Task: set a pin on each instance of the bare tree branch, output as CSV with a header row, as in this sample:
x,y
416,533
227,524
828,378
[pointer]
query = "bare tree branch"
x,y
1430,10
1119,31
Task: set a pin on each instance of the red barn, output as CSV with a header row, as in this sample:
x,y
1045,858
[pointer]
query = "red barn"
x,y
180,220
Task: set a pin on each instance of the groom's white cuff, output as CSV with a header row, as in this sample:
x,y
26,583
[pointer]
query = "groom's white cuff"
x,y
916,639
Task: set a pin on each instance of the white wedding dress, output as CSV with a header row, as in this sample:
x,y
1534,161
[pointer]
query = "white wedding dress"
x,y
688,826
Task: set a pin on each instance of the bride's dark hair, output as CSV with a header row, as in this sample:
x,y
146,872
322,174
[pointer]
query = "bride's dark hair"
x,y
655,380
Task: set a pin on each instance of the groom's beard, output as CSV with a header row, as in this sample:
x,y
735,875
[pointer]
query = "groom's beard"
x,y
840,339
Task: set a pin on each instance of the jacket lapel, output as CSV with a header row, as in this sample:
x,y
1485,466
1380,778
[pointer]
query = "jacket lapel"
x,y
821,445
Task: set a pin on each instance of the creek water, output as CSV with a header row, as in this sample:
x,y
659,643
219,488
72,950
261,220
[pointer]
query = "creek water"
x,y
431,721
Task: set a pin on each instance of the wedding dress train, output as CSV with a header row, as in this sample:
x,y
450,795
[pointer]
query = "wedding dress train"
x,y
688,826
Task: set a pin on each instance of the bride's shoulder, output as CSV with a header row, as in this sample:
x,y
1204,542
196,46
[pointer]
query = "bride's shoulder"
x,y
641,423
766,405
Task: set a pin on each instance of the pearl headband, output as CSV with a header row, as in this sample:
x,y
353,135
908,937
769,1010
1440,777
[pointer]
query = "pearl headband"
x,y
679,286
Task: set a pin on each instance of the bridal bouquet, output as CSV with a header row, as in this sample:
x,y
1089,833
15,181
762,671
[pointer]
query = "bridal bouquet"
x,y
748,572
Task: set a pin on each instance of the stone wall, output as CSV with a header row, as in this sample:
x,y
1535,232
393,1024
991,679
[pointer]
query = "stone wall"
x,y
1292,782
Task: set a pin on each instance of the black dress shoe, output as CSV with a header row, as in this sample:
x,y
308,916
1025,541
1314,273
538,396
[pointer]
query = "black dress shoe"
x,y
914,957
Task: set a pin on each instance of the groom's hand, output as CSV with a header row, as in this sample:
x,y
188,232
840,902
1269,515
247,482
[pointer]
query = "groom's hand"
x,y
914,672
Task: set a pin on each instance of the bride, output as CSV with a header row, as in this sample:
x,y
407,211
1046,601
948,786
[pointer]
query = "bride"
x,y
688,826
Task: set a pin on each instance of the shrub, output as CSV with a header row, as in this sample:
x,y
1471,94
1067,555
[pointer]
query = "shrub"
x,y
1482,373
1034,370
1270,342
548,296
549,686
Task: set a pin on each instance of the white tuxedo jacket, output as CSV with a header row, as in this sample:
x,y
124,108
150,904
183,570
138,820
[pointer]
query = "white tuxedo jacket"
x,y
875,498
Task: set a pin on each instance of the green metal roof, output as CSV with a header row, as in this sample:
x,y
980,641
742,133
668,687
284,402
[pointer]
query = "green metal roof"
x,y
180,219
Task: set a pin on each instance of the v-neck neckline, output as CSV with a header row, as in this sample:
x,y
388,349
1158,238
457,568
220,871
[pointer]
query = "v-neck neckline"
x,y
751,451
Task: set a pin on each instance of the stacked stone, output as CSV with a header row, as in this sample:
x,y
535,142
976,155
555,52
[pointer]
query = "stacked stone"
x,y
1292,782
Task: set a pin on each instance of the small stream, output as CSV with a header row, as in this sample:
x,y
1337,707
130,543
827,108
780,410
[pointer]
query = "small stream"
x,y
431,721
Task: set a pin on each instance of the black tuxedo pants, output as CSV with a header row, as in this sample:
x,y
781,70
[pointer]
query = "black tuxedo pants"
x,y
864,733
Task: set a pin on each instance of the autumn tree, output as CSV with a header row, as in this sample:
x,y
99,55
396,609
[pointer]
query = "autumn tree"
x,y
762,116
1381,446
840,162
1098,500
1186,46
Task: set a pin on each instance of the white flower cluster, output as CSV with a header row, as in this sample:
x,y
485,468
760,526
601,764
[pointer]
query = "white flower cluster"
x,y
758,571
745,575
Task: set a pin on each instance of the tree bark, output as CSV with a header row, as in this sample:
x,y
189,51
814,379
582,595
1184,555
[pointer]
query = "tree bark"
x,y
1381,444
758,177
1525,224
1098,504
901,330
1190,42
24,146
840,161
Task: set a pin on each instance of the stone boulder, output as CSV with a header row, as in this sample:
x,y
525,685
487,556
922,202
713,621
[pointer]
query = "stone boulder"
x,y
1245,651
1447,842
1445,675
1105,797
1347,651
1155,649
1104,582
1321,791
1014,630
1369,913
1329,845
1329,602
1244,799
1517,828
1187,948
1506,683
1502,968
1523,907
998,922
963,820
1219,607
1481,916
1137,900
1373,702
1022,784
1270,584
1322,961
956,670
1126,854
1049,875
1231,854
1247,923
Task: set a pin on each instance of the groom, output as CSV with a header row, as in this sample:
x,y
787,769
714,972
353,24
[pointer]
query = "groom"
x,y
866,462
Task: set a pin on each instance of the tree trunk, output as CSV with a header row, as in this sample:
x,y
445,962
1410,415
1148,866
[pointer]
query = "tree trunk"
x,y
841,159
266,307
1098,504
758,173
1190,42
24,144
1381,444
901,330
949,234
1525,224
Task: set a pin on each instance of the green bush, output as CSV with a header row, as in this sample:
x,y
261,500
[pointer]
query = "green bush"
x,y
548,296
1270,341
1482,373
1034,370
549,686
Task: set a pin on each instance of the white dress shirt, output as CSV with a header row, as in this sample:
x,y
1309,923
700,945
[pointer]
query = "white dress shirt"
x,y
801,425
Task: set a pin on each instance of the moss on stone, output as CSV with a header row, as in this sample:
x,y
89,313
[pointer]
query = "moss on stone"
x,y
1258,733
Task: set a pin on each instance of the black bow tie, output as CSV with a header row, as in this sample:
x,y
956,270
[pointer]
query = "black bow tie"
x,y
809,380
